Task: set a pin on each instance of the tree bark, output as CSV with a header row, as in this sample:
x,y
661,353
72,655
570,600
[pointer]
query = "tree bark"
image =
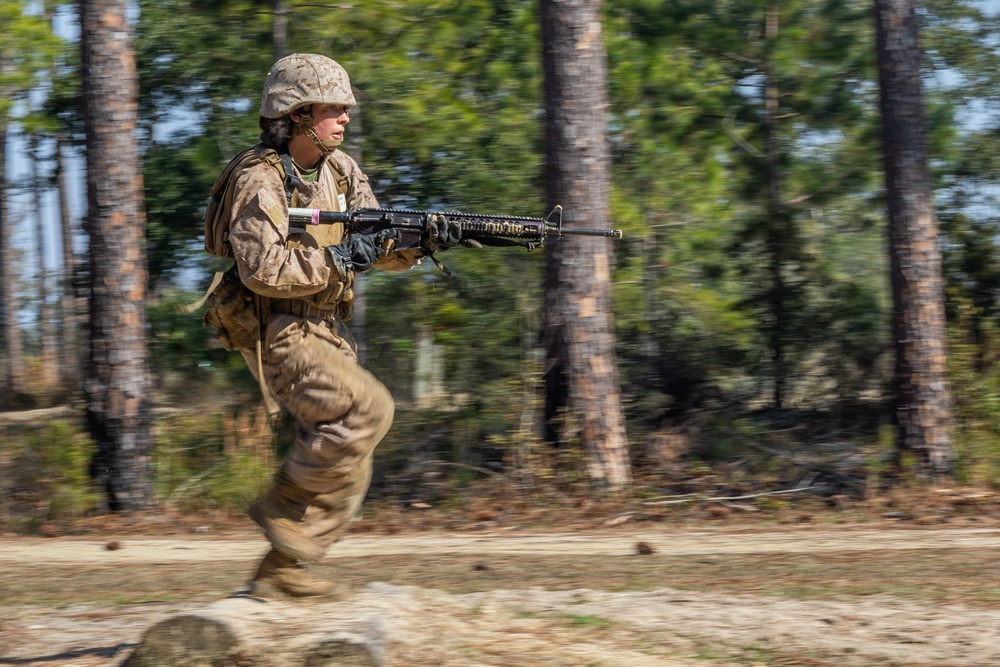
x,y
241,631
70,321
922,402
780,223
48,360
279,28
583,394
117,386
11,348
354,146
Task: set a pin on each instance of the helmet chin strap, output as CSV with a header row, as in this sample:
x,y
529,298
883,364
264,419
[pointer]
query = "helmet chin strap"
x,y
305,126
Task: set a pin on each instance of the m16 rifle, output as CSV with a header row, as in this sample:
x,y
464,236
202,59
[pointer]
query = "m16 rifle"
x,y
412,227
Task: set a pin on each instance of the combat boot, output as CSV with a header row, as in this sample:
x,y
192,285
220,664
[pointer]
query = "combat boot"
x,y
279,512
280,574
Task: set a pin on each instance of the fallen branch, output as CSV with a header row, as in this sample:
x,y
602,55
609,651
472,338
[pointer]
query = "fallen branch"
x,y
707,499
39,416
680,495
468,467
781,455
179,492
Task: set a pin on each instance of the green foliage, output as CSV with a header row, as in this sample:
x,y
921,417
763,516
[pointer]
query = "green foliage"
x,y
27,50
217,459
701,308
974,375
188,364
710,281
175,201
587,621
48,477
177,73
455,132
194,470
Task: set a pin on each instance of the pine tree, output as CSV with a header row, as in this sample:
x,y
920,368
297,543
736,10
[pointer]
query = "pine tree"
x,y
118,384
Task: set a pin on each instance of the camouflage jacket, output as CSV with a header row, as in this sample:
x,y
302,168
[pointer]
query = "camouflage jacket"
x,y
283,266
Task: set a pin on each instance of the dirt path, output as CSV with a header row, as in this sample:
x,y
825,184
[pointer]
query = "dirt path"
x,y
610,543
533,626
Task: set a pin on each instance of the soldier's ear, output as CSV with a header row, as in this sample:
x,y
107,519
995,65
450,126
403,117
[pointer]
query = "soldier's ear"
x,y
297,115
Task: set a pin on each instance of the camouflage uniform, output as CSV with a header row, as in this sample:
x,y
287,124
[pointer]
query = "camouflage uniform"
x,y
343,411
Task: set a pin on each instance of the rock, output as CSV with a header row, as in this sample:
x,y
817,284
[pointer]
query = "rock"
x,y
50,530
644,548
487,515
929,519
837,500
718,511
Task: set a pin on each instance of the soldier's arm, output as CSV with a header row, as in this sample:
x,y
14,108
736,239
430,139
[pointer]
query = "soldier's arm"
x,y
360,195
258,236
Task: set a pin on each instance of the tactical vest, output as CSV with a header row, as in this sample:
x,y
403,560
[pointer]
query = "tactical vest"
x,y
236,313
219,210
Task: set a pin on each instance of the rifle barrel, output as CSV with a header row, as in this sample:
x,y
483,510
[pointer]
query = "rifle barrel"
x,y
583,231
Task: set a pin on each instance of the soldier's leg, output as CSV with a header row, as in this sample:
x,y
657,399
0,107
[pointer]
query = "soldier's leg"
x,y
280,573
343,412
329,514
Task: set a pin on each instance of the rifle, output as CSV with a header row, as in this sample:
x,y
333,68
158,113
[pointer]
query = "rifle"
x,y
411,226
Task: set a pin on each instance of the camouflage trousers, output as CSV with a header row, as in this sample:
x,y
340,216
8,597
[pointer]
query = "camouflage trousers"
x,y
343,412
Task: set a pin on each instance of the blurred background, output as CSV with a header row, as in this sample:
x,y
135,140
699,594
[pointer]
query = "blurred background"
x,y
754,351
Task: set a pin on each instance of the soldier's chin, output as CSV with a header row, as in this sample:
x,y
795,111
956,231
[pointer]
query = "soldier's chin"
x,y
330,144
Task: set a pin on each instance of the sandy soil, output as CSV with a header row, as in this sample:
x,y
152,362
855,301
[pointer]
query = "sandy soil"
x,y
532,626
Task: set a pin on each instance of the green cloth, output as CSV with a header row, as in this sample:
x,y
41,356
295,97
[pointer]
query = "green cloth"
x,y
309,175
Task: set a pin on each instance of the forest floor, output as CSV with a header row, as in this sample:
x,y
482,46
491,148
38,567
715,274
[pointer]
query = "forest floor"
x,y
900,585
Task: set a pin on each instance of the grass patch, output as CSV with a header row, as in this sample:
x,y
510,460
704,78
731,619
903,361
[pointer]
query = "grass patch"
x,y
587,621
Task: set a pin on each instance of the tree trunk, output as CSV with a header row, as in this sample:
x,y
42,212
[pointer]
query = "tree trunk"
x,y
117,386
279,28
583,395
46,377
70,322
353,146
780,219
922,402
241,631
11,349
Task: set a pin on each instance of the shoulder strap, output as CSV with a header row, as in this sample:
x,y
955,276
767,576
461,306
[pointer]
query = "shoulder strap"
x,y
291,177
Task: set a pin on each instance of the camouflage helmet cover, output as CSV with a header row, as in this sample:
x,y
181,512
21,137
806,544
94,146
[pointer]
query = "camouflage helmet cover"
x,y
304,78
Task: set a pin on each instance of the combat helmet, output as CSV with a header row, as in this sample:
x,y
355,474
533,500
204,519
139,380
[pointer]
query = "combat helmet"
x,y
301,79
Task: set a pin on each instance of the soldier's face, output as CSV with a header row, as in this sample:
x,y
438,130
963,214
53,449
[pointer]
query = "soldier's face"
x,y
329,121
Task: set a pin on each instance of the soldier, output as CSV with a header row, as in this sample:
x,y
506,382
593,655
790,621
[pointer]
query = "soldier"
x,y
301,285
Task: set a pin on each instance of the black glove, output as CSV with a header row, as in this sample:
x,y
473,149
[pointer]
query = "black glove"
x,y
359,252
441,234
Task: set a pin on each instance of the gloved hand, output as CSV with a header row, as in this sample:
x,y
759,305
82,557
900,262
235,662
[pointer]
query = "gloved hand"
x,y
441,234
359,252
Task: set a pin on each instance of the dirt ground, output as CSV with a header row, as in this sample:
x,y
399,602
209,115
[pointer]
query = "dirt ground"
x,y
666,595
